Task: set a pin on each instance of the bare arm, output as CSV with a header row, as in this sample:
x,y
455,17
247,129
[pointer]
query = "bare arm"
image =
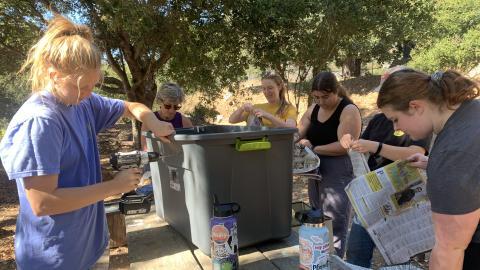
x,y
238,115
304,123
138,111
186,122
387,151
277,122
453,233
350,123
46,198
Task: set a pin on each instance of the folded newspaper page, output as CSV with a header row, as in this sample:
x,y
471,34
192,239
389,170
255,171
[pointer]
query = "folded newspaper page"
x,y
335,263
304,159
359,163
392,204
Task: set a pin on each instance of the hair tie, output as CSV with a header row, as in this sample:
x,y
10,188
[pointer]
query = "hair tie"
x,y
437,76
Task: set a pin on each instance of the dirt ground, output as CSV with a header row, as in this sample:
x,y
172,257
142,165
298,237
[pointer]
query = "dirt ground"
x,y
119,138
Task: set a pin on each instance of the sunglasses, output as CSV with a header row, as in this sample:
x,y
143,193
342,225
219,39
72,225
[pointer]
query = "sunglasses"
x,y
169,106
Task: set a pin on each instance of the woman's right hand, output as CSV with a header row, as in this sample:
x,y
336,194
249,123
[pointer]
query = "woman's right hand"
x,y
128,180
418,160
305,143
346,141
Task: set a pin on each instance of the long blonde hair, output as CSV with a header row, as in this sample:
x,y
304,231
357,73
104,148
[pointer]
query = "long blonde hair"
x,y
65,46
277,79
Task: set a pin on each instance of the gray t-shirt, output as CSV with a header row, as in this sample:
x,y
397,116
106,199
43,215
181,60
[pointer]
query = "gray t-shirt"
x,y
453,170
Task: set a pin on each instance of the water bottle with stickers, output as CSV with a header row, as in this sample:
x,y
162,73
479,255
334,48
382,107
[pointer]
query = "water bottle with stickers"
x,y
224,238
313,240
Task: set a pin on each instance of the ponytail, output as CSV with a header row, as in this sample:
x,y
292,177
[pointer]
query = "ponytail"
x,y
65,46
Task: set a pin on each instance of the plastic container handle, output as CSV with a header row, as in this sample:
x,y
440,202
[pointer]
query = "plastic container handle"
x,y
252,145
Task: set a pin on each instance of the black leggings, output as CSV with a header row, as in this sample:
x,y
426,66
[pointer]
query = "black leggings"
x,y
472,257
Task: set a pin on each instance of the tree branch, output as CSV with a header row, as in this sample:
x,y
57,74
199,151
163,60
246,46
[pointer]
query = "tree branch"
x,y
116,67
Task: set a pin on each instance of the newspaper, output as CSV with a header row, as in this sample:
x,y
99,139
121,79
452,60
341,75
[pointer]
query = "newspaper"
x,y
392,204
304,159
335,263
359,163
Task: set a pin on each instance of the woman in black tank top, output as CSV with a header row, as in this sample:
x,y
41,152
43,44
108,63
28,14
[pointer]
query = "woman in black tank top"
x,y
321,128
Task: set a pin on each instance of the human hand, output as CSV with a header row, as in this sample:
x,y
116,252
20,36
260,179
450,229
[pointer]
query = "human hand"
x,y
418,160
247,107
364,146
346,141
261,113
127,180
163,131
305,143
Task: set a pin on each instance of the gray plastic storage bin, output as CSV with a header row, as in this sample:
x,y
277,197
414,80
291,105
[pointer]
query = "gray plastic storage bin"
x,y
226,161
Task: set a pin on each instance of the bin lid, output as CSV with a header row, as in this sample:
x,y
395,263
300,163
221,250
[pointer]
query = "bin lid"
x,y
213,132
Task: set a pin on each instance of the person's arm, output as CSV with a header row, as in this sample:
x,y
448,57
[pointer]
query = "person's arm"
x,y
46,198
453,233
418,161
303,127
350,123
240,114
160,129
186,122
277,122
387,151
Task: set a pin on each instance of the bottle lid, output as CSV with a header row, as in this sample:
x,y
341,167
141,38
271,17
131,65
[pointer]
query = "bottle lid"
x,y
225,209
314,216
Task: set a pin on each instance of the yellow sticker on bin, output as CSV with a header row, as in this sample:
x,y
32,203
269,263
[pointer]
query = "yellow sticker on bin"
x,y
252,145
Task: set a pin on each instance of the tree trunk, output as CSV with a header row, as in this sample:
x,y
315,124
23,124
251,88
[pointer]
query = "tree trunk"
x,y
144,92
354,66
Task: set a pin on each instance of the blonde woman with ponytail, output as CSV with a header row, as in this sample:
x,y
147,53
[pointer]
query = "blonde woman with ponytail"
x,y
50,149
277,112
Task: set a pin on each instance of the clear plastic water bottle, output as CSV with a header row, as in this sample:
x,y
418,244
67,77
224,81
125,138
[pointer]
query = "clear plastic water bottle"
x,y
224,238
313,240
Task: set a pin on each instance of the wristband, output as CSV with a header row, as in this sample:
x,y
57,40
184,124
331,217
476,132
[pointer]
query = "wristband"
x,y
380,145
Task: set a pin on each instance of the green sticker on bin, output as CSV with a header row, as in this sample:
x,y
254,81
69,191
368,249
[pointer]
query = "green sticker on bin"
x,y
252,145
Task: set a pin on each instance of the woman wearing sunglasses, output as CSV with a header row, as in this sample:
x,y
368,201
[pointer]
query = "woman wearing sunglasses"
x,y
277,112
170,97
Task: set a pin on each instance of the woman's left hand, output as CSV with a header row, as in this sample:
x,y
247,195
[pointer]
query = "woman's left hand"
x,y
364,146
261,113
162,130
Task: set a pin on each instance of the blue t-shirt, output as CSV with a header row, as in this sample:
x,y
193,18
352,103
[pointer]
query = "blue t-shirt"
x,y
46,137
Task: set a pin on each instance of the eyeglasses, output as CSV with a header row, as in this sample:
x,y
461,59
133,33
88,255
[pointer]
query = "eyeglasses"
x,y
169,106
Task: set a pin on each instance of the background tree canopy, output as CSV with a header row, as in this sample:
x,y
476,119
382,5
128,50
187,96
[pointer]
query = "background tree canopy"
x,y
209,45
454,38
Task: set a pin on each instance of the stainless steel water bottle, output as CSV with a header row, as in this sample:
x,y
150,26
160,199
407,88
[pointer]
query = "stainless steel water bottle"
x,y
313,240
224,237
